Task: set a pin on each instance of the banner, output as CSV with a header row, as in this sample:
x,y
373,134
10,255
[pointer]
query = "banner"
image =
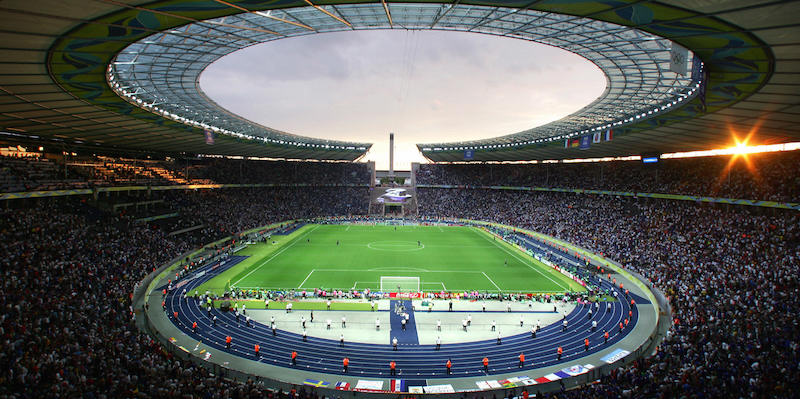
x,y
585,142
678,59
596,137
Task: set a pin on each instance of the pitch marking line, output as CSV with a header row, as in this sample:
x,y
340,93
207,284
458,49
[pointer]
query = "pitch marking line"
x,y
520,259
490,280
276,254
304,281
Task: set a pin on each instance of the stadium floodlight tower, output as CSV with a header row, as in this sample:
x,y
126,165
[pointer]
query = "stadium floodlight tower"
x,y
391,154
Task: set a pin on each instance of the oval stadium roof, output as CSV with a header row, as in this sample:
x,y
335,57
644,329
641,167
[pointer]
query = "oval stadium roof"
x,y
125,74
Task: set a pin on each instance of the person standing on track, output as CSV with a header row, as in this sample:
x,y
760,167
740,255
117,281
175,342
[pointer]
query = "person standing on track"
x,y
560,352
257,349
586,344
345,363
449,365
294,358
438,343
486,364
391,368
228,341
521,360
394,343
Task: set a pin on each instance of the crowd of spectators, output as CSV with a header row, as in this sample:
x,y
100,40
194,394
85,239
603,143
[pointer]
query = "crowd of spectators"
x,y
770,177
731,276
36,173
68,271
243,171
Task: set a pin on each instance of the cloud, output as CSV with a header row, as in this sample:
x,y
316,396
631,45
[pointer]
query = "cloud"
x,y
425,86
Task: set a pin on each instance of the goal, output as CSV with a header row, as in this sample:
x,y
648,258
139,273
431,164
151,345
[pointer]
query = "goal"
x,y
399,284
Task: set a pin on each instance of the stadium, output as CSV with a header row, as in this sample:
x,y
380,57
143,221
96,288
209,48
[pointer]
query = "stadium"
x,y
159,245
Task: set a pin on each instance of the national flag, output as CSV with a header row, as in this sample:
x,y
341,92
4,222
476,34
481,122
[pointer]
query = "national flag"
x,y
172,340
397,386
609,134
316,383
542,380
494,384
207,356
562,374
553,377
596,137
572,143
209,136
483,385
343,386
507,384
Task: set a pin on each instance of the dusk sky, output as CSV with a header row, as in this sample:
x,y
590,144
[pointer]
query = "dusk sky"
x,y
425,86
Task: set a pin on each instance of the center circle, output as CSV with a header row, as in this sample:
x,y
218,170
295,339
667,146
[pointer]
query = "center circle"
x,y
395,246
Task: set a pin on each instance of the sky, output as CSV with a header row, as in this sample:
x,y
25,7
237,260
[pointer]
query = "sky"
x,y
423,86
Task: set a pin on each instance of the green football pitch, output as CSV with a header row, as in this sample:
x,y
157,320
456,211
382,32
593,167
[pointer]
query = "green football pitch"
x,y
360,256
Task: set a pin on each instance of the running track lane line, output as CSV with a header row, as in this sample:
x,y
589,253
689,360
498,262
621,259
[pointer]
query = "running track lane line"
x,y
491,281
518,258
276,254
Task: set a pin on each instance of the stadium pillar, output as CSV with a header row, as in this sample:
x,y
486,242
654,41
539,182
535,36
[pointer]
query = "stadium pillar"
x,y
391,154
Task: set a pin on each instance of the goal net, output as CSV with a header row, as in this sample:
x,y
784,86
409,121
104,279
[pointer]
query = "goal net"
x,y
399,284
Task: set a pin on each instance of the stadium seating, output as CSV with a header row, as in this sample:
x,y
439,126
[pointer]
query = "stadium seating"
x,y
730,272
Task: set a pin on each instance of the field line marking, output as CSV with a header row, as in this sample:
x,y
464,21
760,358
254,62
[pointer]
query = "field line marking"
x,y
348,228
304,280
490,280
526,263
443,287
276,254
440,228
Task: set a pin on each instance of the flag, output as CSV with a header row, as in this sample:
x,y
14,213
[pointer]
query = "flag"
x,y
343,386
572,143
585,142
596,137
609,134
397,386
577,369
209,136
678,57
507,384
316,383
